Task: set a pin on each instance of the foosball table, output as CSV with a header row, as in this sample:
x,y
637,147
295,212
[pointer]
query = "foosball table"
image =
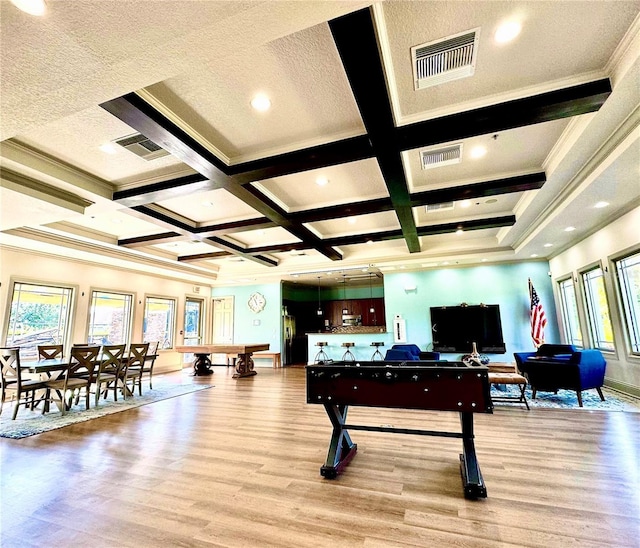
x,y
433,385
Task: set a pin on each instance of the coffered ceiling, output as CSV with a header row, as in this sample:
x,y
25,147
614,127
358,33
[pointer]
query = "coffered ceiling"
x,y
527,139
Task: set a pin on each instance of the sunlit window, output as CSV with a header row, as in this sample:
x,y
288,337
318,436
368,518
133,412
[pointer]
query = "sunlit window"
x,y
159,321
110,318
39,315
628,270
569,307
598,309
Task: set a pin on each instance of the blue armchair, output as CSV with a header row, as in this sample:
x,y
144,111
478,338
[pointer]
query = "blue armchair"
x,y
562,366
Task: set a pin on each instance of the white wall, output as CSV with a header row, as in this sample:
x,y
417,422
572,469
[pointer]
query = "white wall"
x,y
619,237
27,266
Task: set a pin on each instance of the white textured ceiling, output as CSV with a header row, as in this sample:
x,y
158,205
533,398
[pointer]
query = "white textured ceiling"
x,y
199,63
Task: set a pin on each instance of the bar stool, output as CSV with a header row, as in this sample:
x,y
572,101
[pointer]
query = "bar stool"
x,y
377,355
321,356
348,355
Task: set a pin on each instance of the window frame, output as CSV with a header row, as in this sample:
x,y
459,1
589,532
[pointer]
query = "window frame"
x,y
564,313
588,302
129,329
172,328
71,306
621,304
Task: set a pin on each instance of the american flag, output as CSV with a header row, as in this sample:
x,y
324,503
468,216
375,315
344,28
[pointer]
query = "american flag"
x,y
538,318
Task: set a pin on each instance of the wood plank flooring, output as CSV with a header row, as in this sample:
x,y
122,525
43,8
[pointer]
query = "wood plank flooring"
x,y
238,465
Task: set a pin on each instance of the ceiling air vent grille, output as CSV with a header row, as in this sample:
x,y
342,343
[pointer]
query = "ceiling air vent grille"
x,y
445,60
443,156
444,206
142,146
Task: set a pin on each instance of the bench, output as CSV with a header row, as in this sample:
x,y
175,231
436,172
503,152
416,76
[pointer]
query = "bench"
x,y
273,356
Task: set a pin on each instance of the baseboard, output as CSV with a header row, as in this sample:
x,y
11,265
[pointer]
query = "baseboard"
x,y
623,387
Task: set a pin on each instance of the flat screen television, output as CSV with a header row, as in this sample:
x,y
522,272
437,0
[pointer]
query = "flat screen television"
x,y
456,328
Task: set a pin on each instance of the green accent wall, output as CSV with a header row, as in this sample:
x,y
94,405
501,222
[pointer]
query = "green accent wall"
x,y
504,285
249,327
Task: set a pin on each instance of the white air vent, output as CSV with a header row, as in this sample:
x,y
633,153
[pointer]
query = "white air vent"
x,y
445,60
441,156
444,206
141,146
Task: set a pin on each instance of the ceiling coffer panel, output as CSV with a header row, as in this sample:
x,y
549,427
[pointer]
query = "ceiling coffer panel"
x,y
445,60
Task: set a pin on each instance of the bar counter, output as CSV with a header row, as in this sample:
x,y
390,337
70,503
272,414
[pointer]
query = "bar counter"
x,y
362,349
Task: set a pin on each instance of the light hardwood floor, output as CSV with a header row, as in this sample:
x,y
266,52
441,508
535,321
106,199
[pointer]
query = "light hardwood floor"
x,y
238,465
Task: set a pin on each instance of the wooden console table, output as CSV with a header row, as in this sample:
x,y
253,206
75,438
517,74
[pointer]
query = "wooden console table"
x,y
244,364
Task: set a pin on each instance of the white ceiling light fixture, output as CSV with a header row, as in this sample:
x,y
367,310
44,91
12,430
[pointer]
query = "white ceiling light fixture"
x,y
478,152
548,245
465,203
600,205
570,229
322,181
108,148
507,32
32,7
261,103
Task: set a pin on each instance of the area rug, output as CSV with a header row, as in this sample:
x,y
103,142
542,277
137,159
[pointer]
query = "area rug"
x,y
567,399
29,423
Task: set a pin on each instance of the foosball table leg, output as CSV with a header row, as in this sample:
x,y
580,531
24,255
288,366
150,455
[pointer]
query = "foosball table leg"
x,y
341,448
472,481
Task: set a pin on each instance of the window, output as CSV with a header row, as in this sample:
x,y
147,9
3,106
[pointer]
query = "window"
x,y
628,270
159,321
110,318
598,309
39,314
569,307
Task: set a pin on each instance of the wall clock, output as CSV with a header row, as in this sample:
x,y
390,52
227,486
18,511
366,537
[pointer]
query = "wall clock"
x,y
256,302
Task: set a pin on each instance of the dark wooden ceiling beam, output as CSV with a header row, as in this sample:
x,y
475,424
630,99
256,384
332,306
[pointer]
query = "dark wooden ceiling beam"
x,y
152,239
544,107
355,38
132,110
520,183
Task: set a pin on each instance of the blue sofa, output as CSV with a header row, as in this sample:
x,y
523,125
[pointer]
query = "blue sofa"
x,y
409,352
557,366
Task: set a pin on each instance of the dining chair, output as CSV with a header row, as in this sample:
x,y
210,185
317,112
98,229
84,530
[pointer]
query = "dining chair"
x,y
108,369
50,351
149,361
12,382
78,376
134,365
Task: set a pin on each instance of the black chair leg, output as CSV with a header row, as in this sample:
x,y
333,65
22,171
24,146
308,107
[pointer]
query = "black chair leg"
x,y
579,397
600,393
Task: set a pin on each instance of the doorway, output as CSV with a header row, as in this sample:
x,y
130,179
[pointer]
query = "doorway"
x,y
222,325
193,321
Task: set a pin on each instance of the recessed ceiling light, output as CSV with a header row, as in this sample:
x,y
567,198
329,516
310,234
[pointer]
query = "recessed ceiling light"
x,y
601,204
446,262
32,7
570,229
491,201
465,203
459,231
322,181
548,245
478,152
484,260
352,220
507,32
261,102
533,255
108,148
